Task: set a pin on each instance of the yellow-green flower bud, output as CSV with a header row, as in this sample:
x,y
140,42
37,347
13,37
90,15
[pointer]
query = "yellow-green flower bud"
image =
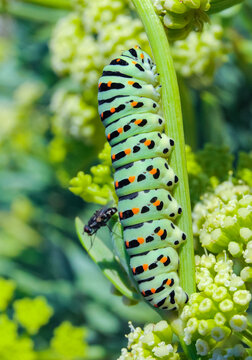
x,y
242,298
68,341
220,319
174,13
238,323
32,313
246,274
7,289
248,253
223,221
226,306
174,21
235,249
202,347
220,333
209,314
153,342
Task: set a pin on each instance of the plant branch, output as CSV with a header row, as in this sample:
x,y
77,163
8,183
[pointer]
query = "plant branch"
x,y
220,5
174,128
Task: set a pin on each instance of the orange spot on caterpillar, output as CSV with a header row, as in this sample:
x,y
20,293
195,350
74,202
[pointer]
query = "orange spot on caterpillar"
x,y
132,179
168,282
136,47
156,203
100,84
108,137
140,240
145,267
134,62
121,215
112,110
141,55
153,290
153,171
147,142
116,184
138,121
134,103
120,130
160,233
135,211
143,292
155,305
113,157
163,260
134,270
101,115
109,83
117,60
127,151
131,82
126,242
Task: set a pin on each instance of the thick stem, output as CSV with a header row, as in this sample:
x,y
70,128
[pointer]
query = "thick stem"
x,y
244,338
189,120
57,4
220,5
31,12
174,128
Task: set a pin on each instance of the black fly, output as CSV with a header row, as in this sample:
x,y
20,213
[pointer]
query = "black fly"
x,y
99,219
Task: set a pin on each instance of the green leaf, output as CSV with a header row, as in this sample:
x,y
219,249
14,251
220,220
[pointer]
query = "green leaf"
x,y
105,259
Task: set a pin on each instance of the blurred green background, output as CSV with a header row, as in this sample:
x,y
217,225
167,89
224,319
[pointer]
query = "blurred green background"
x,y
50,130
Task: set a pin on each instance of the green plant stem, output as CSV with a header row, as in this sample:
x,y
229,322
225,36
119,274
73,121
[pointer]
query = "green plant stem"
x,y
174,128
188,114
249,327
244,338
57,4
220,5
32,12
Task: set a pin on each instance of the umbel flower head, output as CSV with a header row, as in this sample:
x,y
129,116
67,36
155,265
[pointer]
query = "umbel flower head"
x,y
181,17
200,54
151,343
223,221
98,187
82,43
219,308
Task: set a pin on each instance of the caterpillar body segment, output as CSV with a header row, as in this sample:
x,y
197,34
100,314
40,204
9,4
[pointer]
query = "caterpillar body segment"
x,y
157,234
143,175
147,205
122,106
110,88
128,106
131,125
163,291
156,262
131,65
150,145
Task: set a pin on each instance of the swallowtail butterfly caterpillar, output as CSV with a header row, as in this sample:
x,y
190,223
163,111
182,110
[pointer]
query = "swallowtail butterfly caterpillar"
x,y
128,106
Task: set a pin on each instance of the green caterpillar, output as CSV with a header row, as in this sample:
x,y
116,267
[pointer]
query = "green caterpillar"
x,y
128,106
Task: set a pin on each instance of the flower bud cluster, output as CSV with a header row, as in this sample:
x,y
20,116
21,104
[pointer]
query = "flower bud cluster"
x,y
223,221
151,343
98,187
32,314
219,308
7,289
238,352
82,43
72,115
200,54
181,17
